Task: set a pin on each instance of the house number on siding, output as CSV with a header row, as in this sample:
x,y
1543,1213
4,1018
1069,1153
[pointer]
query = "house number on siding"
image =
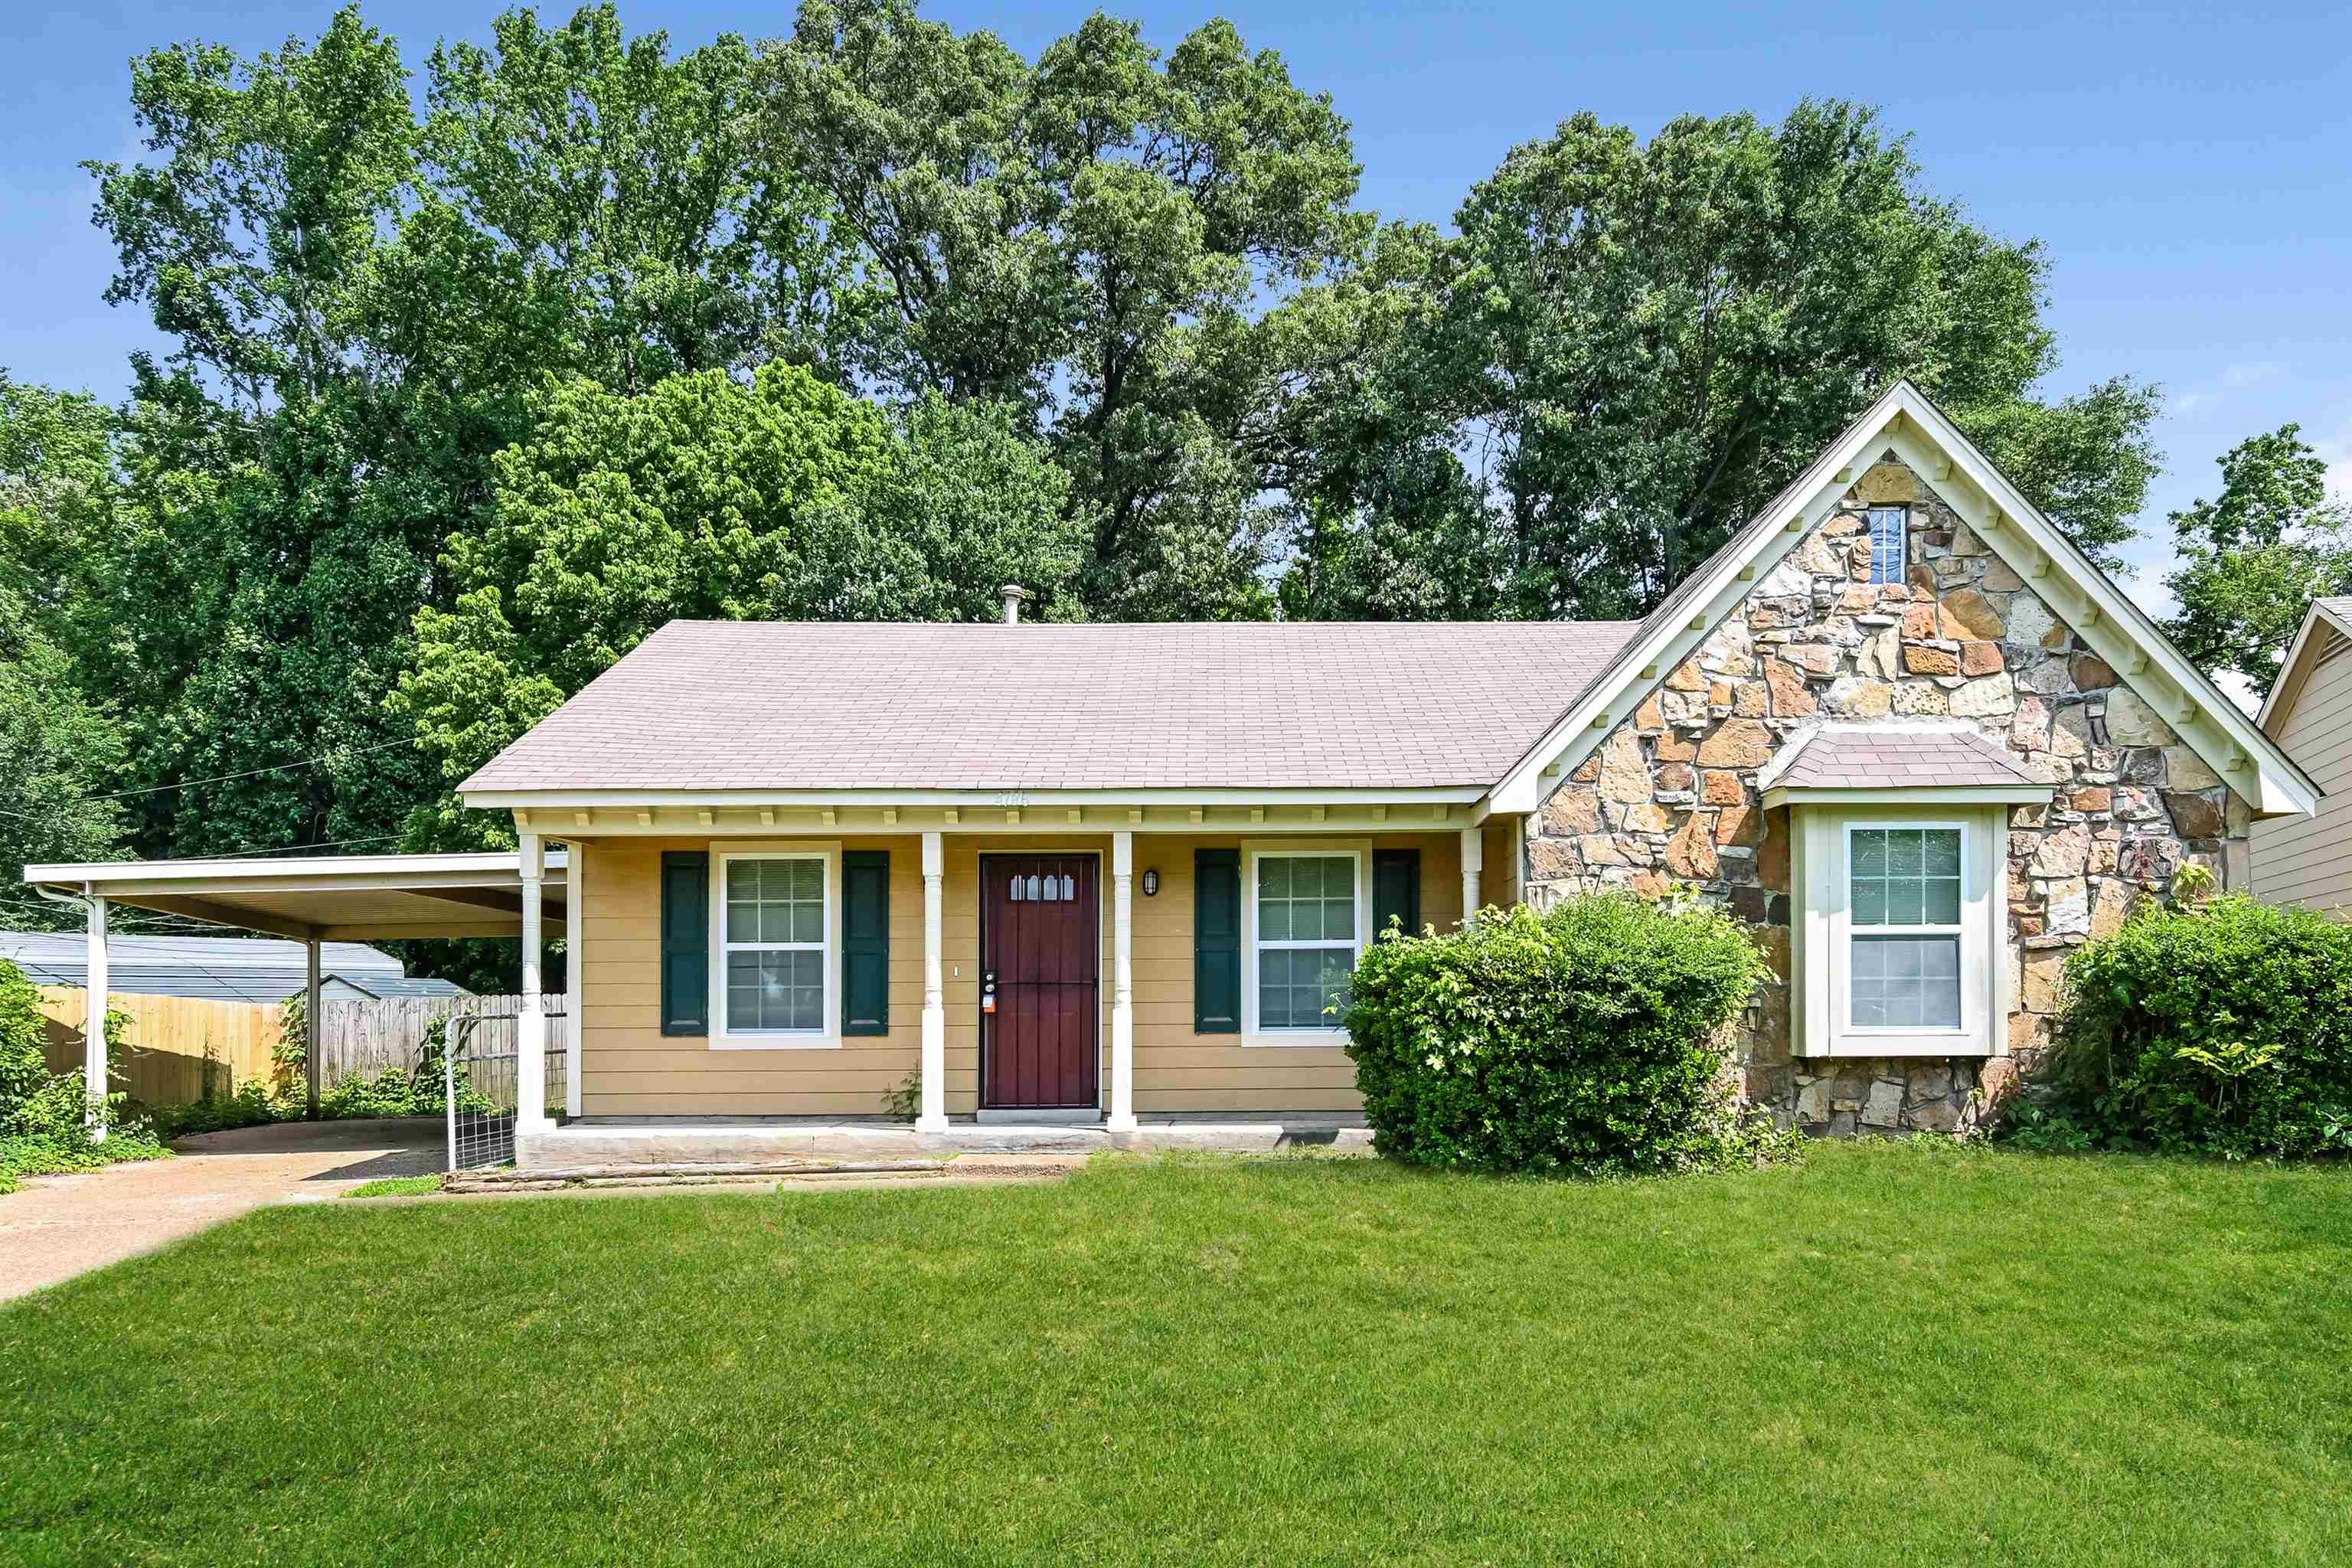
x,y
1013,797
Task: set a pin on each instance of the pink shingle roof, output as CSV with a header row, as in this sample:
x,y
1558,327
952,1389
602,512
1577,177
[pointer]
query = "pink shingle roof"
x,y
1245,705
1863,758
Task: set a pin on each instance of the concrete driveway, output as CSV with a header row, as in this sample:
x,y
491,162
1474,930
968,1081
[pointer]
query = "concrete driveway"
x,y
54,1227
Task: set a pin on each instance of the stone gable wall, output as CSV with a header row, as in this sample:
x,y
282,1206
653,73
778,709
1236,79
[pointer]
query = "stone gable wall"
x,y
1671,796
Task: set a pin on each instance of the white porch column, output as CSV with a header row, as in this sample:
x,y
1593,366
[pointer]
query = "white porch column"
x,y
1474,860
313,1024
934,1114
1121,1117
575,917
93,1053
530,1022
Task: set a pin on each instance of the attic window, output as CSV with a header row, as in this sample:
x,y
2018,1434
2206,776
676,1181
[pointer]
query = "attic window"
x,y
1889,530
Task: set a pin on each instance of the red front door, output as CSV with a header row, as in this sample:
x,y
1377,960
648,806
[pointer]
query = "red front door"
x,y
1040,946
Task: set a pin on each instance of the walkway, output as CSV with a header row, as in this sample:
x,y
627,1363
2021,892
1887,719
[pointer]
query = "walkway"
x,y
54,1227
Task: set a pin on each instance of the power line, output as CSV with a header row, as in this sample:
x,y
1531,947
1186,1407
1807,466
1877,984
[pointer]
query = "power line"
x,y
249,772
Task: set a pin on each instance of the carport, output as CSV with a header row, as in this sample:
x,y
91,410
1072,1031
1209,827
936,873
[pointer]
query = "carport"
x,y
354,898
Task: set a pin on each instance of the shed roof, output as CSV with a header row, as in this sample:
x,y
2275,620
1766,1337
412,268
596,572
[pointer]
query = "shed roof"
x,y
228,968
1837,757
704,705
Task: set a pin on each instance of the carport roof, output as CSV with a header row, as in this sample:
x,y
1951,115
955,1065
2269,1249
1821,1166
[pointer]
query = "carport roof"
x,y
342,898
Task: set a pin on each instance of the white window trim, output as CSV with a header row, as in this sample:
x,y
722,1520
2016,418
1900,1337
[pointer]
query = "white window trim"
x,y
1360,851
828,1036
1824,933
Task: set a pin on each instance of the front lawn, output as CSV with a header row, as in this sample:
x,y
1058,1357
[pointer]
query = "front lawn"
x,y
1888,1356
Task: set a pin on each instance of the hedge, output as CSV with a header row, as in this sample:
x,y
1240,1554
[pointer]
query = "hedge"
x,y
1582,1040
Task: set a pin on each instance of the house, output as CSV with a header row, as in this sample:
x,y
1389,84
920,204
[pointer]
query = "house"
x,y
226,968
1108,875
2308,861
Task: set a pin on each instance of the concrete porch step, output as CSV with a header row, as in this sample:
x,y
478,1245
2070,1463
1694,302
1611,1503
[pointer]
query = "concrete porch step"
x,y
705,1173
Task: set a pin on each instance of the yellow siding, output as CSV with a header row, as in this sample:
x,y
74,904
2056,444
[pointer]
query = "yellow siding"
x,y
2308,861
631,1068
1176,1070
1499,874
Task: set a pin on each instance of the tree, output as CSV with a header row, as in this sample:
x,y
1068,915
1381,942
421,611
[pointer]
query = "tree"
x,y
1088,237
2253,558
358,302
1638,344
705,498
58,755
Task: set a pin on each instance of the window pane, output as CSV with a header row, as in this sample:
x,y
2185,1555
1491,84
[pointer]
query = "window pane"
x,y
1887,543
1907,982
1870,853
1943,850
1906,877
1296,985
1903,852
775,900
775,991
1306,898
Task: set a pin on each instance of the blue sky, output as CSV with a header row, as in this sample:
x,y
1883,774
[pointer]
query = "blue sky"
x,y
2189,168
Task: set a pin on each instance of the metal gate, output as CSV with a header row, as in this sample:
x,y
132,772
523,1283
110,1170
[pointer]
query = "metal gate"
x,y
480,1063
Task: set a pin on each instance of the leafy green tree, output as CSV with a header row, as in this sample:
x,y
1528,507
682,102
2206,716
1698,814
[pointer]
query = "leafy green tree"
x,y
2254,557
706,499
1089,238
1636,344
60,753
359,301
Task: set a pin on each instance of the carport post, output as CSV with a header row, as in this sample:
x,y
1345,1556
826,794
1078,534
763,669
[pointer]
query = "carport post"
x,y
531,1019
93,1048
313,1025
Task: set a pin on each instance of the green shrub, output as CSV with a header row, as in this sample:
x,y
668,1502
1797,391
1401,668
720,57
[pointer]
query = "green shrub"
x,y
254,1104
1582,1040
2225,1029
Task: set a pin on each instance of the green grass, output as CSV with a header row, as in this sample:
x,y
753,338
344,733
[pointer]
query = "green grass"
x,y
1886,1356
396,1187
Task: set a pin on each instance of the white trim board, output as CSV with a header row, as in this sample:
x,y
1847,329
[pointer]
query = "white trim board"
x,y
2057,573
2310,643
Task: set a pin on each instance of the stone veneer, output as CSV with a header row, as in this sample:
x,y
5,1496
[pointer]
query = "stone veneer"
x,y
1671,796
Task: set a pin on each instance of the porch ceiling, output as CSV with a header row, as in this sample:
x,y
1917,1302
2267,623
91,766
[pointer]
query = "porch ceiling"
x,y
344,898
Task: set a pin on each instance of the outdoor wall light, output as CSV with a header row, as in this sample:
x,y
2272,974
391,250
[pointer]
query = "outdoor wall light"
x,y
1151,882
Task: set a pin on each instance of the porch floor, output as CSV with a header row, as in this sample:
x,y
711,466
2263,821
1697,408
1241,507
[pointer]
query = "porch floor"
x,y
714,1140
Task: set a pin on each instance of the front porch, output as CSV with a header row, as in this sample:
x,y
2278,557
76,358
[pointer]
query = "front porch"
x,y
574,1144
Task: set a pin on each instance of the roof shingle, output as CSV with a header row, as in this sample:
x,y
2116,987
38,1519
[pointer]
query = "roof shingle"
x,y
1835,757
708,705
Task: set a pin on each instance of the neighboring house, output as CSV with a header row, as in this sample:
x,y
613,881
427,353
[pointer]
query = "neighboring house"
x,y
226,968
1111,873
2308,861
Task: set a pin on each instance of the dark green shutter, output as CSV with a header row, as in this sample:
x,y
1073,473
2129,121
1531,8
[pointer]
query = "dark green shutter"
x,y
1396,889
1216,941
684,943
866,942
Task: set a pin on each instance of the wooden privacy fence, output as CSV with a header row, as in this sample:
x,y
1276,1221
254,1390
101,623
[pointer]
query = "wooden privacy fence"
x,y
178,1049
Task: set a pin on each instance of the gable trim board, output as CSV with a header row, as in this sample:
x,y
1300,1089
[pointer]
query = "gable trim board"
x,y
2313,645
2245,758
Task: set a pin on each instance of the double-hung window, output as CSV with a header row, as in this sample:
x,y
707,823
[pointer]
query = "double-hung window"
x,y
1901,931
1904,899
774,948
1306,912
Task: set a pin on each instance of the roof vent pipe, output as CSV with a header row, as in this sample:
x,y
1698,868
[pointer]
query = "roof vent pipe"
x,y
1013,593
